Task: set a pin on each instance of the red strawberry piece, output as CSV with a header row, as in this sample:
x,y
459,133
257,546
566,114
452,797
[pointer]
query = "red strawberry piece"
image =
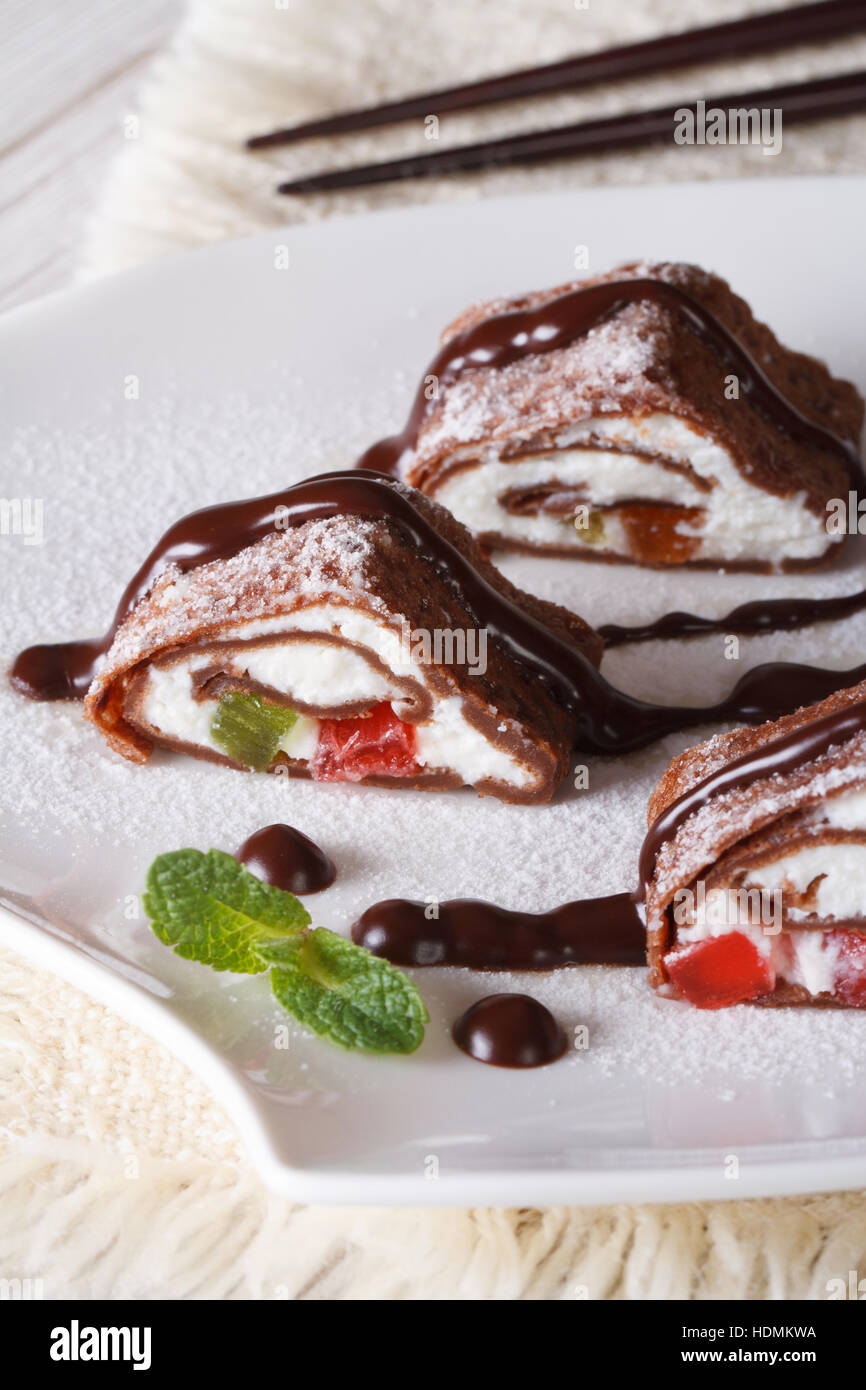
x,y
720,971
375,745
850,982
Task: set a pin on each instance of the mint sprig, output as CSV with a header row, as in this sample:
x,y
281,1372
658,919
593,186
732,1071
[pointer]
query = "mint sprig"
x,y
211,909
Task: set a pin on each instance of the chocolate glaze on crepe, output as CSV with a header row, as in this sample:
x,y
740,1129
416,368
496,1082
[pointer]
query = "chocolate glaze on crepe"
x,y
801,745
605,720
504,338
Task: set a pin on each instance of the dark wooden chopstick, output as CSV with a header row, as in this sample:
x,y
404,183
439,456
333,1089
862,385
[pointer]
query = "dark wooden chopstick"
x,y
752,34
803,101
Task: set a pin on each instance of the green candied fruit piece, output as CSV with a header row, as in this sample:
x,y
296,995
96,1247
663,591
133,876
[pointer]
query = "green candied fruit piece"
x,y
249,731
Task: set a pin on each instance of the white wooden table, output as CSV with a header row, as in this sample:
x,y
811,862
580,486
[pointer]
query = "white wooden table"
x,y
69,72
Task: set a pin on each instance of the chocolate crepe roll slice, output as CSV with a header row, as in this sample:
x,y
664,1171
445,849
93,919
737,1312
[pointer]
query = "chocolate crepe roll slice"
x,y
338,651
759,893
636,439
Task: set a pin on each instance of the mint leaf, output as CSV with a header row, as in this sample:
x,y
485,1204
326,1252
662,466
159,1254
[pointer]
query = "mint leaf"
x,y
249,731
211,909
342,992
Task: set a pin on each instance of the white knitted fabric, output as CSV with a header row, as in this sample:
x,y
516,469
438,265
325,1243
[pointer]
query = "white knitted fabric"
x,y
120,1176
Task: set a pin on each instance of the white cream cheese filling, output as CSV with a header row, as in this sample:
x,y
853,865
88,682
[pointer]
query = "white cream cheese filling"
x,y
741,522
447,740
840,869
329,675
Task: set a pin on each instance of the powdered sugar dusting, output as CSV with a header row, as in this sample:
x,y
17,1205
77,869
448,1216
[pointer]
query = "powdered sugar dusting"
x,y
80,824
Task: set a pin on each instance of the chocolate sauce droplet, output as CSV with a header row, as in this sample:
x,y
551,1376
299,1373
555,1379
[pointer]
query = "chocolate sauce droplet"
x,y
56,670
282,856
510,1030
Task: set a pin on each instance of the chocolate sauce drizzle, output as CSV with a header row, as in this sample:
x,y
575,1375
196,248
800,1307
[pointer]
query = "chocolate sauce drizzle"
x,y
284,857
605,719
504,338
510,1030
482,936
748,619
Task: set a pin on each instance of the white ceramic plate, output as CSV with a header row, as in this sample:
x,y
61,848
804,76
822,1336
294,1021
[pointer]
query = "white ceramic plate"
x,y
220,374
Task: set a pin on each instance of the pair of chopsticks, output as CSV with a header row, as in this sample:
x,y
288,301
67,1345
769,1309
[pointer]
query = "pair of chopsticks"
x,y
829,96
